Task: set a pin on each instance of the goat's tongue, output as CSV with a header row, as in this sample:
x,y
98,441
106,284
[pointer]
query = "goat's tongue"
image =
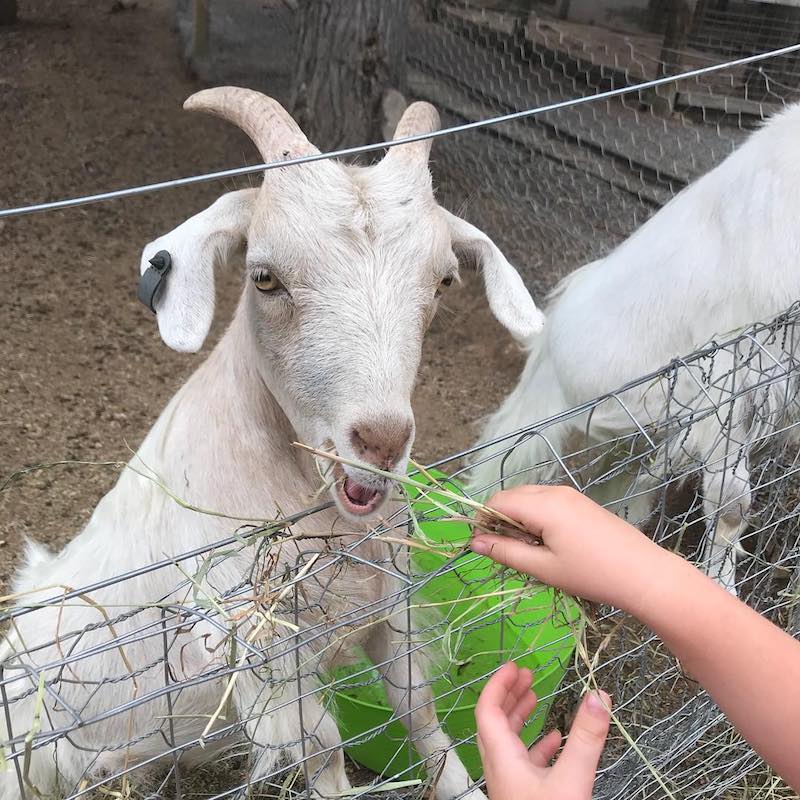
x,y
358,495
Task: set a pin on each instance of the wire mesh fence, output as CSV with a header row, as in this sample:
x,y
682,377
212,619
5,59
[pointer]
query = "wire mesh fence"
x,y
563,187
275,651
264,644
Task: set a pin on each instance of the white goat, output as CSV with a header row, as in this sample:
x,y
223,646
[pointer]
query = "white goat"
x,y
720,256
344,266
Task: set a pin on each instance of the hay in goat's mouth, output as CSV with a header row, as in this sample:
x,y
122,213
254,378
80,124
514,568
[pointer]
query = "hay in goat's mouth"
x,y
486,518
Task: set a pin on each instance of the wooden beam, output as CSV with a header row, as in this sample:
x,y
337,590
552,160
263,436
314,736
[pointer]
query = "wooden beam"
x,y
727,103
679,17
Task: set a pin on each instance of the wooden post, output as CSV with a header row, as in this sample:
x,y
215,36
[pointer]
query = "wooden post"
x,y
679,19
200,27
348,56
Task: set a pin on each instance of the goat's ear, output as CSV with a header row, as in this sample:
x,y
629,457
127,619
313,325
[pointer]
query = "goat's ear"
x,y
508,298
185,303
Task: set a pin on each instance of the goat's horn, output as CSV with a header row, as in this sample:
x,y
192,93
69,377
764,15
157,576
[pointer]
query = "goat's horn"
x,y
418,118
264,120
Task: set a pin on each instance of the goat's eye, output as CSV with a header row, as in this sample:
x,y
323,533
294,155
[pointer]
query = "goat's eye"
x,y
444,283
266,282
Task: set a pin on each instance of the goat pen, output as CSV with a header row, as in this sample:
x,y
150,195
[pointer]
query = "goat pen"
x,y
557,189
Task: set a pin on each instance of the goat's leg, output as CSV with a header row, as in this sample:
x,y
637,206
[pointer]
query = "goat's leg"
x,y
323,751
630,497
40,779
315,743
726,504
412,700
720,447
52,770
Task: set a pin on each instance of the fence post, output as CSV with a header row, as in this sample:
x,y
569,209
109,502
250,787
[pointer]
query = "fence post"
x,y
201,22
679,16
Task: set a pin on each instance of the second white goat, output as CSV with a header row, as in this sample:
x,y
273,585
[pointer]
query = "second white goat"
x,y
722,255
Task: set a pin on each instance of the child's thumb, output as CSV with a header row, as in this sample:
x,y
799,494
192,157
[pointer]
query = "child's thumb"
x,y
585,742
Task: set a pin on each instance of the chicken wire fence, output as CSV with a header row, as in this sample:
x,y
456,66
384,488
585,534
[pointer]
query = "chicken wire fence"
x,y
273,636
556,190
563,187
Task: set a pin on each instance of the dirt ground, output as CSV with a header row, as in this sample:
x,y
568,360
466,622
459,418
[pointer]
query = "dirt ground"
x,y
90,99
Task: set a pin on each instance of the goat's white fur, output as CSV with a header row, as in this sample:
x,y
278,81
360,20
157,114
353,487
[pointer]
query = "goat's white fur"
x,y
361,253
720,256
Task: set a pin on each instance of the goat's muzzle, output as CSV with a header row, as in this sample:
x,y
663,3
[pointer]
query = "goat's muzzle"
x,y
359,496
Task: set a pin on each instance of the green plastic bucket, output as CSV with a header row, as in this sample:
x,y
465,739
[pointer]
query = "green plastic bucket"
x,y
488,621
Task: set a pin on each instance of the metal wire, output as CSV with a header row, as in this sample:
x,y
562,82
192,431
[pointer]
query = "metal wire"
x,y
235,172
637,668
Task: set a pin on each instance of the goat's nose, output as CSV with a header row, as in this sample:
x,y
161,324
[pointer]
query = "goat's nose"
x,y
381,441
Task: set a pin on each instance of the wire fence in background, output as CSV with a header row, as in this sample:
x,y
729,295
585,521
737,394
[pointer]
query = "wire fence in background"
x,y
564,187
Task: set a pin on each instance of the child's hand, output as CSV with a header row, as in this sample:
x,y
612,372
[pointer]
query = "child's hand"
x,y
586,550
515,773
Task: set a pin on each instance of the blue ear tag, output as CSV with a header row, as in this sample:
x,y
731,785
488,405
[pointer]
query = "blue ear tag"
x,y
153,277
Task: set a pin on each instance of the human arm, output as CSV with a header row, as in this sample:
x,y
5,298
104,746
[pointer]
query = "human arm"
x,y
749,667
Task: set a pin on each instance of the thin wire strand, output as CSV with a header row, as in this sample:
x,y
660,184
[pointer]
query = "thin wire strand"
x,y
55,205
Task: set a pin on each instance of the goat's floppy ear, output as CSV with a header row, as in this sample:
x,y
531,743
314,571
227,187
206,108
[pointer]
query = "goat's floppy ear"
x,y
185,304
508,298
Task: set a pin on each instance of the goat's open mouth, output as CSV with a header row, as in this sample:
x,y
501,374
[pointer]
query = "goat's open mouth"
x,y
355,498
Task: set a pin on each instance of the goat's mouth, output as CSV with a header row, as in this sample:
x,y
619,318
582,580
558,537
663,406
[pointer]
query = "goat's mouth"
x,y
355,498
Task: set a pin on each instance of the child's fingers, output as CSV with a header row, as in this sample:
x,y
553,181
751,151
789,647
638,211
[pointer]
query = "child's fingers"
x,y
529,505
517,555
494,695
586,740
520,686
524,708
491,717
541,754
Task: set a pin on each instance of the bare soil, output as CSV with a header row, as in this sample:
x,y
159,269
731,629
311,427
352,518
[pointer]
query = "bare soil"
x,y
90,99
